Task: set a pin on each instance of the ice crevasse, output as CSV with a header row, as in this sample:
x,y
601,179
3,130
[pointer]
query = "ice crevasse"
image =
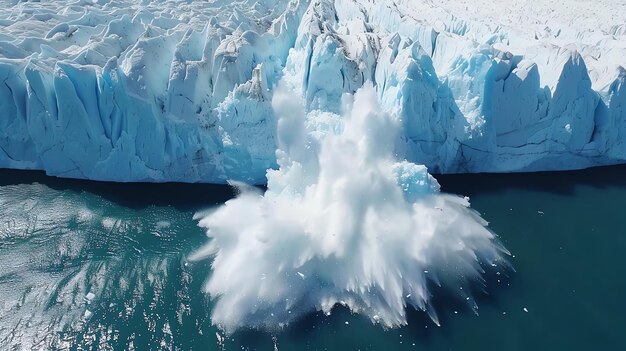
x,y
182,90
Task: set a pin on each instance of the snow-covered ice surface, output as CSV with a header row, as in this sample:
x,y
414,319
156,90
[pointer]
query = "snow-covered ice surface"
x,y
182,90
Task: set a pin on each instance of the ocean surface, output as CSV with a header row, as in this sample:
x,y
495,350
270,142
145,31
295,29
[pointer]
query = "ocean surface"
x,y
102,266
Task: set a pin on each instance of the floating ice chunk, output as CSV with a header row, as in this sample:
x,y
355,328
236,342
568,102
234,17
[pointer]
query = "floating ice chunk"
x,y
89,297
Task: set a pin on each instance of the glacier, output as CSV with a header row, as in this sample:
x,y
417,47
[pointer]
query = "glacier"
x,y
175,90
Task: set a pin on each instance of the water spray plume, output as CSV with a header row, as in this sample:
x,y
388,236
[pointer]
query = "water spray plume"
x,y
342,222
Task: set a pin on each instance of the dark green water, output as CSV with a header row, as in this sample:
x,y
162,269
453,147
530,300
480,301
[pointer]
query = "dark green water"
x,y
103,267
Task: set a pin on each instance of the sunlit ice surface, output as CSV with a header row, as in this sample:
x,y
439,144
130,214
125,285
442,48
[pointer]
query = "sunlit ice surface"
x,y
343,221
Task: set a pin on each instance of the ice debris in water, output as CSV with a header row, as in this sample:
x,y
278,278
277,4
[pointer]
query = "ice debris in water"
x,y
87,314
362,227
89,297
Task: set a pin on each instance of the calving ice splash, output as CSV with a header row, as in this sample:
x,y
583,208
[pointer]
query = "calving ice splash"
x,y
342,222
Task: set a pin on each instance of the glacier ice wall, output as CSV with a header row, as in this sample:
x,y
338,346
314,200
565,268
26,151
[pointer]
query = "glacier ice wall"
x,y
181,90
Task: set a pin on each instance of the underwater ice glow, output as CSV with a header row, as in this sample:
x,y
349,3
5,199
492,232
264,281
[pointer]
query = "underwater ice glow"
x,y
342,222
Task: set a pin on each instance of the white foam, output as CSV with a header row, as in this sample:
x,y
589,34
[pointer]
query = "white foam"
x,y
163,224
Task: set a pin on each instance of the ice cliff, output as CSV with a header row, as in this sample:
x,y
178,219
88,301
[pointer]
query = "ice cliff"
x,y
182,90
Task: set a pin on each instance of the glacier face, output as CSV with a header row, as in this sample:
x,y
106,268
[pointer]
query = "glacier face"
x,y
182,90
